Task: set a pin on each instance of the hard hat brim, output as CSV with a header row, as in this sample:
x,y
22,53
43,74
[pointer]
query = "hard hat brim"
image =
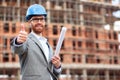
x,y
30,16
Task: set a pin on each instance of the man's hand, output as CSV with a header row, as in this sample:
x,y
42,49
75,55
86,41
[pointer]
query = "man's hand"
x,y
22,36
56,61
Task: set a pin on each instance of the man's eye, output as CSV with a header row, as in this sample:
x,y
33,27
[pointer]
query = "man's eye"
x,y
36,19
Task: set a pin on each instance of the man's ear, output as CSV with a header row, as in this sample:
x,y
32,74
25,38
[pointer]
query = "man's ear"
x,y
30,23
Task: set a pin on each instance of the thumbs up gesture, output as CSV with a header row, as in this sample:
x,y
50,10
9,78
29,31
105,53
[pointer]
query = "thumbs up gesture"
x,y
22,36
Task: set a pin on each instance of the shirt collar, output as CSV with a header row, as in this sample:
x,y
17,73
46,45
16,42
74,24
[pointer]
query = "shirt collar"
x,y
39,37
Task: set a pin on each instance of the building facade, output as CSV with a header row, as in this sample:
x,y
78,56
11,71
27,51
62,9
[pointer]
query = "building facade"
x,y
89,51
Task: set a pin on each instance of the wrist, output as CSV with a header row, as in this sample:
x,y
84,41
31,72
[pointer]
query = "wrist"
x,y
57,67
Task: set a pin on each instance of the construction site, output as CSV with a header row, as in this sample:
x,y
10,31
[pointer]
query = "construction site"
x,y
89,50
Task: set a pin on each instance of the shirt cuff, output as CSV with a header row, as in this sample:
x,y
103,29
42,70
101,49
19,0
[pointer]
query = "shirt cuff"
x,y
58,70
17,45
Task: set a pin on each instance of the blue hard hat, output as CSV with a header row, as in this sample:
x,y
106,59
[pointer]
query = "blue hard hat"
x,y
35,10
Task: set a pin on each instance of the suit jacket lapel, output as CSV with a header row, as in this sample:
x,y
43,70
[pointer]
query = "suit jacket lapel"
x,y
33,38
50,51
49,65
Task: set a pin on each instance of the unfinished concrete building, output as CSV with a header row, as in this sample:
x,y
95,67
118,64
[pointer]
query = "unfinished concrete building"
x,y
89,51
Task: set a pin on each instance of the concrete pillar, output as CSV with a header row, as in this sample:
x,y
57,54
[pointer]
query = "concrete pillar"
x,y
18,12
0,58
107,75
76,77
48,12
13,13
83,59
18,75
4,18
84,77
65,17
18,3
68,74
103,12
81,16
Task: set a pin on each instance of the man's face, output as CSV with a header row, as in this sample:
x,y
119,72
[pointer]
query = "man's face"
x,y
38,24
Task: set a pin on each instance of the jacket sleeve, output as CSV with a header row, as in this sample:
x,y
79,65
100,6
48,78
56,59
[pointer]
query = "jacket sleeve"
x,y
58,71
18,48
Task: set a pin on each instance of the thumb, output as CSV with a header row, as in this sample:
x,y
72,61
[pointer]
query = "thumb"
x,y
22,27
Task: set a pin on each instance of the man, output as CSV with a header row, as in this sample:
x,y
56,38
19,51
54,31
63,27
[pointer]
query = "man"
x,y
35,54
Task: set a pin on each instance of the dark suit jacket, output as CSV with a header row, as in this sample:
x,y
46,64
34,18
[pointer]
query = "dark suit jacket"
x,y
34,65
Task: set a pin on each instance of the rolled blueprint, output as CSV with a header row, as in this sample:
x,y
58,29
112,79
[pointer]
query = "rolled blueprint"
x,y
62,35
